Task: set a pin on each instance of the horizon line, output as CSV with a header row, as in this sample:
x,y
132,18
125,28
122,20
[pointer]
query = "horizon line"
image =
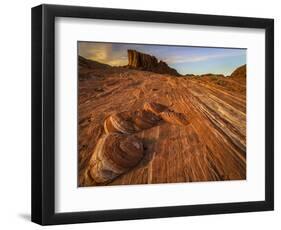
x,y
207,73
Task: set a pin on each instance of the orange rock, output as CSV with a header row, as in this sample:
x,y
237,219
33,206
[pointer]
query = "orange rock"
x,y
114,154
174,118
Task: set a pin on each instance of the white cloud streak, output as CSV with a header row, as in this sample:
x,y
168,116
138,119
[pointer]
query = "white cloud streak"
x,y
199,58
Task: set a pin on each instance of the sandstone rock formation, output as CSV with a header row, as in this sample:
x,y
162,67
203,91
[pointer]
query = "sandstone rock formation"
x,y
130,122
239,73
114,154
155,108
174,118
152,114
199,133
142,61
90,64
119,150
119,122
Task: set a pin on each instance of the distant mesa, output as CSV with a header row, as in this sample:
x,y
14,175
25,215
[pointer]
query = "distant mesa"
x,y
212,75
136,60
238,73
205,75
146,62
190,75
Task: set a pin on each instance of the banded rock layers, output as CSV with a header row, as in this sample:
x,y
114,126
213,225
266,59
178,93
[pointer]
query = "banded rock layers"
x,y
195,132
119,150
151,115
114,155
142,61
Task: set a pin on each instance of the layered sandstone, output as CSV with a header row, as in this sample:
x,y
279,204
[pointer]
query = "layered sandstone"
x,y
239,73
200,136
142,61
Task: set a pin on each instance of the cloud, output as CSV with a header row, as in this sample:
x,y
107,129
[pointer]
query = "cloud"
x,y
115,54
119,62
198,58
102,52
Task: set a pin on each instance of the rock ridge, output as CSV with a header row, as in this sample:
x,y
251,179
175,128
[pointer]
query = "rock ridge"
x,y
142,61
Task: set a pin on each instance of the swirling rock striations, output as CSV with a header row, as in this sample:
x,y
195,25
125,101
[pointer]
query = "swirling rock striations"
x,y
212,147
130,122
114,155
120,122
119,150
155,108
151,115
145,119
166,114
142,61
174,118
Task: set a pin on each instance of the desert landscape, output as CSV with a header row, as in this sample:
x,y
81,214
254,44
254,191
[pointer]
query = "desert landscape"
x,y
146,123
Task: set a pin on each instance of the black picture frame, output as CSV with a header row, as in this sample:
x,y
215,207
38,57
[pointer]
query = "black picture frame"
x,y
43,114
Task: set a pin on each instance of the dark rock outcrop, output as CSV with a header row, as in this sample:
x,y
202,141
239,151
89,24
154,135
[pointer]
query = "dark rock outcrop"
x,y
142,61
90,64
190,75
211,75
240,72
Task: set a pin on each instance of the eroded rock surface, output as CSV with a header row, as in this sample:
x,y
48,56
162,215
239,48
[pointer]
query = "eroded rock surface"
x,y
147,62
208,143
114,154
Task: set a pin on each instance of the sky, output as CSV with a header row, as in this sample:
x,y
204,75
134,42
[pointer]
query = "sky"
x,y
185,59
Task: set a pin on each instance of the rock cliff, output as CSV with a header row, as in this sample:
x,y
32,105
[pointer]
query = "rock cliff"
x,y
142,61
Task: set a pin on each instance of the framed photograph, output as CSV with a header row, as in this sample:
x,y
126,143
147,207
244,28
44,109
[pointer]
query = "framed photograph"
x,y
142,114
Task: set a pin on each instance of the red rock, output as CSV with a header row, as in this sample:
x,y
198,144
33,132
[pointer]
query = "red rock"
x,y
239,72
147,62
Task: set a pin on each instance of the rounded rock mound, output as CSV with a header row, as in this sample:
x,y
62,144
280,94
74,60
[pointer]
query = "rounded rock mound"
x,y
114,155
